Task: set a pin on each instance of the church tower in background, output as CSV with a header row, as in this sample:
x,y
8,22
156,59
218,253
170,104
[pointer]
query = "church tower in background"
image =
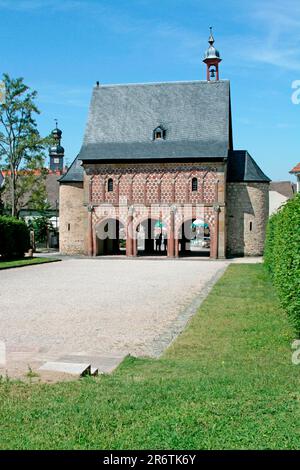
x,y
56,152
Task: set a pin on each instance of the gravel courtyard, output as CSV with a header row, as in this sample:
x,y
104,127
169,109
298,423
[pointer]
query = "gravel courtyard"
x,y
97,306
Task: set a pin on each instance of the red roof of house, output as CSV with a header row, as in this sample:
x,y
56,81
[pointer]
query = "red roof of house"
x,y
296,169
35,172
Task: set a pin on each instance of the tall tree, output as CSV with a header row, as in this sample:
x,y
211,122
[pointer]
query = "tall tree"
x,y
21,146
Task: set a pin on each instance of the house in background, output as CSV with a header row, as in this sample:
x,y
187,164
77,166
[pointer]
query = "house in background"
x,y
296,171
55,170
280,192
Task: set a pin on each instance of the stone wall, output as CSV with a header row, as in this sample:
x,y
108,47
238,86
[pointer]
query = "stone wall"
x,y
247,217
73,219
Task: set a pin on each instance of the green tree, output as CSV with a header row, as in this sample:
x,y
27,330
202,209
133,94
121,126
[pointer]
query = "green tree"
x,y
41,226
21,146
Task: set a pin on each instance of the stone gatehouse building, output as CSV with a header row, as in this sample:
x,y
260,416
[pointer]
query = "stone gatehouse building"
x,y
158,174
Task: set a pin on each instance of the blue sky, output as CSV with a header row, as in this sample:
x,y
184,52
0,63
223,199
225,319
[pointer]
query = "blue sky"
x,y
61,47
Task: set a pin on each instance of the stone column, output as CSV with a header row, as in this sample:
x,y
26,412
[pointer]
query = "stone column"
x,y
176,247
90,231
129,238
171,238
90,219
215,246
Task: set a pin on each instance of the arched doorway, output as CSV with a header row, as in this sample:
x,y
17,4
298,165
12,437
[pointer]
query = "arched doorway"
x,y
194,238
151,238
110,238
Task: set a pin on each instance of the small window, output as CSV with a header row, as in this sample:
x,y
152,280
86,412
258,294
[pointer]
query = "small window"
x,y
250,226
194,184
110,185
69,227
158,133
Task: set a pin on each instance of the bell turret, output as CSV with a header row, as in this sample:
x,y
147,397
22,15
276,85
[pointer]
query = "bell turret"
x,y
212,59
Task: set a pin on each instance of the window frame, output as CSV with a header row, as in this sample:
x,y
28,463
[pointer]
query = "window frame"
x,y
161,131
194,184
110,185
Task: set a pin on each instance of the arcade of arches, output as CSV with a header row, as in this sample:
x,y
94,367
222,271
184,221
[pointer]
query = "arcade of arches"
x,y
156,210
151,237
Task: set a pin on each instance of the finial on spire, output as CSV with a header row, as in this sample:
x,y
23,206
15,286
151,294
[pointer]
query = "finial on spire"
x,y
211,39
56,122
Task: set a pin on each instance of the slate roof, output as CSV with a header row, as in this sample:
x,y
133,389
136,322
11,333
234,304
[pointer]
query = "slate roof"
x,y
286,188
242,168
74,173
195,116
52,189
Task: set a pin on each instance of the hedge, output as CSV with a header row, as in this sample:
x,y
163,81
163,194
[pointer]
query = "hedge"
x,y
282,257
14,237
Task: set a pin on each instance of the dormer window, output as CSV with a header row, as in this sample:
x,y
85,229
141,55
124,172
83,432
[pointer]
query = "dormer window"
x,y
158,133
110,185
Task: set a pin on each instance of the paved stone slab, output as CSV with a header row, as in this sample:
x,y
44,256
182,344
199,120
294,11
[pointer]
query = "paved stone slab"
x,y
72,368
104,364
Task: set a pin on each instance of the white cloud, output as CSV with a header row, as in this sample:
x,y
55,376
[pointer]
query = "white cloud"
x,y
277,40
58,94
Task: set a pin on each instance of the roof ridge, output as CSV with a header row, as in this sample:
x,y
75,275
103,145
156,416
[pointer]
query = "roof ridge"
x,y
179,82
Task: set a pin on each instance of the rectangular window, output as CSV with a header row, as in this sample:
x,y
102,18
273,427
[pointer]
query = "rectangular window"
x,y
69,227
250,226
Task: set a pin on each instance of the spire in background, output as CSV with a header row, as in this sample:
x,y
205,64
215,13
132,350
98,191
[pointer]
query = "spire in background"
x,y
56,151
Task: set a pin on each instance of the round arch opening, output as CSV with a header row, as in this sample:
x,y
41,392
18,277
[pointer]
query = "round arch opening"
x,y
110,238
194,238
152,238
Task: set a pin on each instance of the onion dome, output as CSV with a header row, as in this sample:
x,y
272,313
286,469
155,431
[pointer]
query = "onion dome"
x,y
56,150
212,52
56,133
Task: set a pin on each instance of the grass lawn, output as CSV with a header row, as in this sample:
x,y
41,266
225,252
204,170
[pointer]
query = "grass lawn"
x,y
25,262
226,383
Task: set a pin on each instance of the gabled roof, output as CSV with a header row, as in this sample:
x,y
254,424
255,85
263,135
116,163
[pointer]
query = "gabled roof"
x,y
52,189
242,168
195,116
51,183
286,188
74,173
296,169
